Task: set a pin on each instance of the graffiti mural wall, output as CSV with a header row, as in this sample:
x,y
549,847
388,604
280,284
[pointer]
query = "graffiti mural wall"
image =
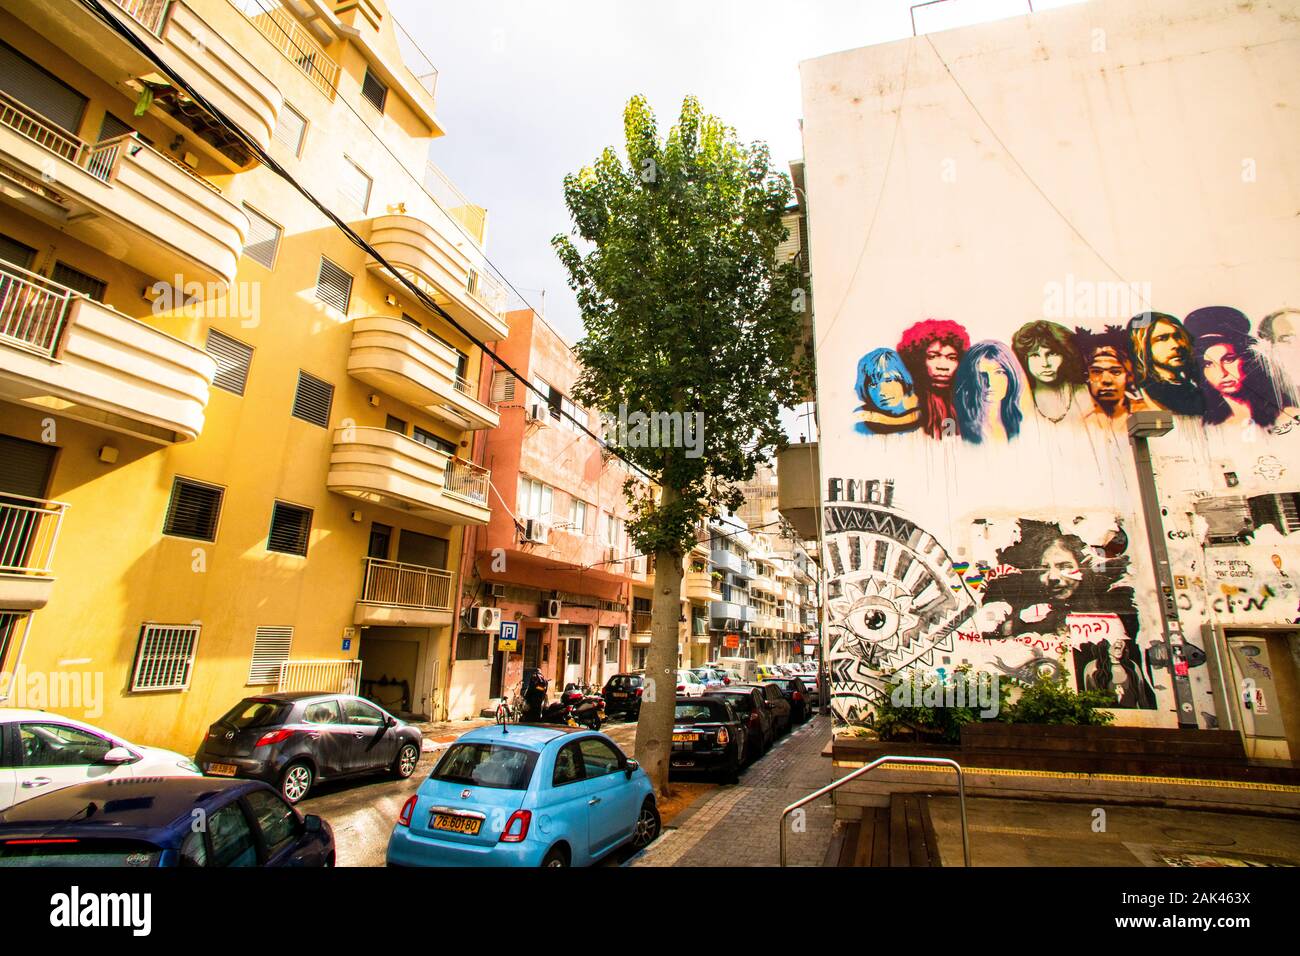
x,y
1005,273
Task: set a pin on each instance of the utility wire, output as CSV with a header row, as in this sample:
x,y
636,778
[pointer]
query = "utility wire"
x,y
270,163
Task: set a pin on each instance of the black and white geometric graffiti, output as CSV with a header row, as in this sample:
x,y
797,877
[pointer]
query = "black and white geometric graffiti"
x,y
894,600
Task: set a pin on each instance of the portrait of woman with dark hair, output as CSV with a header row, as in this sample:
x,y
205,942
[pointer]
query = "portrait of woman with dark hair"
x,y
932,350
889,402
1056,574
1046,352
1237,387
987,394
1116,667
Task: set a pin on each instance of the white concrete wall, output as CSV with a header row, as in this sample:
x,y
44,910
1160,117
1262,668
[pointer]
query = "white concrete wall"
x,y
1080,165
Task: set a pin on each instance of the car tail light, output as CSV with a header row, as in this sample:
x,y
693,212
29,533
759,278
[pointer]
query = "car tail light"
x,y
638,691
796,696
404,818
724,737
681,687
41,842
517,827
273,737
726,681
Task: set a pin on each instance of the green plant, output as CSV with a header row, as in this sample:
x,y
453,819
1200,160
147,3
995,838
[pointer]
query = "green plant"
x,y
1051,700
926,707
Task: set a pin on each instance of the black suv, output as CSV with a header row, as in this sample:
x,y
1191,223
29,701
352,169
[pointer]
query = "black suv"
x,y
793,690
623,694
776,705
294,740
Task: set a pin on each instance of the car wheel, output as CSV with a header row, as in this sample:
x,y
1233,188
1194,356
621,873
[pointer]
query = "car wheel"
x,y
408,757
557,857
296,781
647,825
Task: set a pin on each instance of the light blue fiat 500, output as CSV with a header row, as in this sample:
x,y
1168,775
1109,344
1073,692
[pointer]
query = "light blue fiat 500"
x,y
526,796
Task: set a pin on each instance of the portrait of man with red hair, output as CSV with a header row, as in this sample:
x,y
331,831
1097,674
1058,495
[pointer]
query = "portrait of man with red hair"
x,y
932,350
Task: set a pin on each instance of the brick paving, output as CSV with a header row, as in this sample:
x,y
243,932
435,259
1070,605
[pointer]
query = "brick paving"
x,y
737,826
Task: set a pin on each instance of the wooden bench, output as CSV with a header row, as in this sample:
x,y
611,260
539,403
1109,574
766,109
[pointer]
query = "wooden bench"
x,y
901,834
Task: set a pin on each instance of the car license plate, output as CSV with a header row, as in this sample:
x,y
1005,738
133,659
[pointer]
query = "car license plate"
x,y
684,738
620,693
221,769
456,824
683,763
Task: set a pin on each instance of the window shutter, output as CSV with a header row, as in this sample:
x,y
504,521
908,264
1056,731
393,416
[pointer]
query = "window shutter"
x,y
312,401
374,91
290,128
193,510
270,649
263,238
333,286
17,253
233,358
165,657
354,185
503,387
79,281
40,91
290,529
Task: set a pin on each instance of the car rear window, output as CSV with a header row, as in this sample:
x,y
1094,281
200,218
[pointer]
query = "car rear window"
x,y
701,712
256,712
624,683
783,684
742,702
87,853
486,765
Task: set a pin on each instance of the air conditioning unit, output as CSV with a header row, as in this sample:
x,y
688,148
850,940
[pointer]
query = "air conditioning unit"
x,y
498,590
554,608
483,618
537,531
622,632
537,412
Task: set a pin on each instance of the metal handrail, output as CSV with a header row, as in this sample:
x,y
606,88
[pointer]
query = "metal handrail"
x,y
943,761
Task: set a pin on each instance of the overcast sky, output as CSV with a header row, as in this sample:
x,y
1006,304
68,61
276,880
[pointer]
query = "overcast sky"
x,y
530,90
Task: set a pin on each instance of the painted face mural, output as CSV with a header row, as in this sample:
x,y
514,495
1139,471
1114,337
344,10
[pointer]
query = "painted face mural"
x,y
932,351
889,402
1237,387
1162,362
1109,377
1047,353
987,393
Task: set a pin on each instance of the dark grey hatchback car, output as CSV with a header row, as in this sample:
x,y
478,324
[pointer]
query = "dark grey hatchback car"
x,y
294,740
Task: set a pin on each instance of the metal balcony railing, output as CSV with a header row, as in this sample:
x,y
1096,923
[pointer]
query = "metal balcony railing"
x,y
640,622
395,584
29,530
150,14
466,481
33,310
293,42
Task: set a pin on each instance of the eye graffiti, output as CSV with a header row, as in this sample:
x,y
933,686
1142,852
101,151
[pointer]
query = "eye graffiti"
x,y
1208,366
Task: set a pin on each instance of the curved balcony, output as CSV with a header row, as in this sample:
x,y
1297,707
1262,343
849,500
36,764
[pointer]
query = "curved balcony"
x,y
402,360
121,196
440,260
388,469
211,57
732,564
700,587
61,352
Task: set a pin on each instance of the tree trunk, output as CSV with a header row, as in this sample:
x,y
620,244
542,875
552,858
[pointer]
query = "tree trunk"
x,y
654,731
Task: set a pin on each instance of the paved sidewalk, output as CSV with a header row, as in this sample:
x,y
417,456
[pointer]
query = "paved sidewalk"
x,y
737,826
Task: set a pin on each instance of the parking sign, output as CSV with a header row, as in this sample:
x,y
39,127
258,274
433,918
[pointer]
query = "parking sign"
x,y
508,638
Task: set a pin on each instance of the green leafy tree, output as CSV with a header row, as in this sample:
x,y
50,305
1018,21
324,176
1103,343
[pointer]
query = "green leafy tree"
x,y
686,312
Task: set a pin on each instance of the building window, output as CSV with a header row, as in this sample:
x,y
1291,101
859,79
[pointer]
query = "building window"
x,y
291,129
395,424
233,358
193,510
164,659
290,529
373,91
270,650
21,254
79,281
354,185
611,651
263,238
312,400
638,657
333,286
433,441
577,516
472,647
535,499
611,529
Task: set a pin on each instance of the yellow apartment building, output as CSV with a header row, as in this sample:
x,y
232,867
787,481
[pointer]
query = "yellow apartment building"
x,y
233,446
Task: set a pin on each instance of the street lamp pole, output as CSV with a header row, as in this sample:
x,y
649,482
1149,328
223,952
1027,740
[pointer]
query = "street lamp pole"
x,y
1142,426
